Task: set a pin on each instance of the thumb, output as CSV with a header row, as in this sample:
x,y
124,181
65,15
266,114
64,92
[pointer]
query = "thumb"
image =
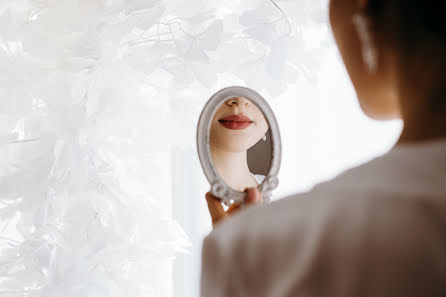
x,y
253,196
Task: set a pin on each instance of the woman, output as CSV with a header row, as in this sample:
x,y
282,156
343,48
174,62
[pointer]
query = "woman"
x,y
237,126
375,230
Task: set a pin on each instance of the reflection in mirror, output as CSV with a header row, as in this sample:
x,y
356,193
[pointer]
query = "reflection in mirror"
x,y
240,143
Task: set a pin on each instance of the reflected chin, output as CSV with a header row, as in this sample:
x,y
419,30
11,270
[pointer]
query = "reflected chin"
x,y
231,147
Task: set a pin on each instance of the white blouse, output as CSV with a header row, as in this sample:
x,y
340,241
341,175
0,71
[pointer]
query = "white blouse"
x,y
377,230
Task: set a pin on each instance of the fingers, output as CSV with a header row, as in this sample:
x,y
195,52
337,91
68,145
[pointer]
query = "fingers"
x,y
253,196
215,208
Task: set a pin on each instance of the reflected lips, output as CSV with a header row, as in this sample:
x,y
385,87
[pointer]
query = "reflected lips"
x,y
236,122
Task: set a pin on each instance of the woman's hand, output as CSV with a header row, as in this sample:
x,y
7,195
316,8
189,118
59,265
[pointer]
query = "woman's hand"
x,y
217,212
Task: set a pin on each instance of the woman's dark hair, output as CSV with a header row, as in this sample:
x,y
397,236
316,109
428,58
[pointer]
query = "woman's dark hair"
x,y
413,20
414,25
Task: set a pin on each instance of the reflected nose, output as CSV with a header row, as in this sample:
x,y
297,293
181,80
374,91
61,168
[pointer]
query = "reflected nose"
x,y
238,101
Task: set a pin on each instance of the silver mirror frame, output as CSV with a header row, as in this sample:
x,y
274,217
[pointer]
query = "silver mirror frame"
x,y
218,187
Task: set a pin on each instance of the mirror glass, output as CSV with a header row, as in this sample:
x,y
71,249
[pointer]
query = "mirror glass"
x,y
240,143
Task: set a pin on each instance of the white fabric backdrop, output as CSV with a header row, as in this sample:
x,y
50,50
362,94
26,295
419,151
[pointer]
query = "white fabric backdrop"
x,y
100,185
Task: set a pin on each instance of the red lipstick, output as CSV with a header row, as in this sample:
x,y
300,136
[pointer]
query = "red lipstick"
x,y
236,122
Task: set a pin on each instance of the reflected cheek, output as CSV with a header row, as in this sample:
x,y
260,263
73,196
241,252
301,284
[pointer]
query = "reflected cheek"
x,y
258,131
262,126
215,135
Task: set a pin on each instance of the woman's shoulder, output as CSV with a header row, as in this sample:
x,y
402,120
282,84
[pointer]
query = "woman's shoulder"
x,y
406,171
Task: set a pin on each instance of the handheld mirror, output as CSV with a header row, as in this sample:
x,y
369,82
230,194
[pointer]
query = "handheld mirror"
x,y
238,144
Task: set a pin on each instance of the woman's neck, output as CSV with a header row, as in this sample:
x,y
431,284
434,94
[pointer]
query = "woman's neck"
x,y
233,168
423,125
423,99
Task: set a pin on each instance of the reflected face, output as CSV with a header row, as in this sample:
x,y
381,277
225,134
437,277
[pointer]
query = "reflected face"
x,y
237,125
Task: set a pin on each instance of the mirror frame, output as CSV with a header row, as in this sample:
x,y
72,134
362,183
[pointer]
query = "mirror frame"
x,y
218,187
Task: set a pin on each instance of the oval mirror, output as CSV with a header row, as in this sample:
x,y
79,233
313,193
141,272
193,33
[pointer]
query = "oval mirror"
x,y
239,144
